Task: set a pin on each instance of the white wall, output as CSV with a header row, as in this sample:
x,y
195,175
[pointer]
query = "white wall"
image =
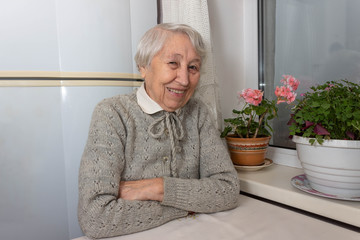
x,y
143,15
33,193
93,36
28,35
235,48
72,35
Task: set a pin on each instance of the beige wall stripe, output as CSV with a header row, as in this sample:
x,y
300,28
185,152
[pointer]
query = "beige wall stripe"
x,y
70,83
55,74
31,79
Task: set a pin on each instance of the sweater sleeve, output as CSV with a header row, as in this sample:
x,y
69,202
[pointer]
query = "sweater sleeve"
x,y
101,214
218,187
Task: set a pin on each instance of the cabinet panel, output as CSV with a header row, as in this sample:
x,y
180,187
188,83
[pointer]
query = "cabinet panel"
x,y
95,36
28,35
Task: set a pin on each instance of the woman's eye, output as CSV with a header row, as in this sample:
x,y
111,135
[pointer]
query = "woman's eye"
x,y
173,64
193,68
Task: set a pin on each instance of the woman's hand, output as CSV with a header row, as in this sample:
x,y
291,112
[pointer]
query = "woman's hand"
x,y
146,189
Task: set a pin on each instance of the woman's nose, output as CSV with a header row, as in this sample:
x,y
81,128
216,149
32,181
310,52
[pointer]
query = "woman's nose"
x,y
183,76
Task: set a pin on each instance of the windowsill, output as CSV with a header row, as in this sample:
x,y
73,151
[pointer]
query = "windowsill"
x,y
273,183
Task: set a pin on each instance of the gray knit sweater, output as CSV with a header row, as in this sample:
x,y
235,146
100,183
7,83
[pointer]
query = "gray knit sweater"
x,y
125,144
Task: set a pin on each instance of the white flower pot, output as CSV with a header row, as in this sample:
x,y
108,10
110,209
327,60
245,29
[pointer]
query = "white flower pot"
x,y
333,167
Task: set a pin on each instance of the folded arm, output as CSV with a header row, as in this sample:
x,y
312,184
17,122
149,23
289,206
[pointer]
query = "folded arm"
x,y
145,189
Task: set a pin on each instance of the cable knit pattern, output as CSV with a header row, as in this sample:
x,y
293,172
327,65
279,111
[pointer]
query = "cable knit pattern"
x,y
125,143
172,124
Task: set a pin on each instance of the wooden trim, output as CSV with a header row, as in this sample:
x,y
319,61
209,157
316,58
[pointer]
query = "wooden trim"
x,y
60,79
68,83
56,74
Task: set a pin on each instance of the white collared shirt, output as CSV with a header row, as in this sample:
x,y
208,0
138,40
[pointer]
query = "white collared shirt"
x,y
148,105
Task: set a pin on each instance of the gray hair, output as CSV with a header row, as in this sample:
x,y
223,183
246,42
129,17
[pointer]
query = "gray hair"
x,y
154,39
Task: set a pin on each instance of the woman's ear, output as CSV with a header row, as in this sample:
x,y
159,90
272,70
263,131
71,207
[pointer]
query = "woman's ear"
x,y
143,71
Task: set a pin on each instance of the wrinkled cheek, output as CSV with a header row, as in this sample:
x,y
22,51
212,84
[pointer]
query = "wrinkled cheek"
x,y
188,96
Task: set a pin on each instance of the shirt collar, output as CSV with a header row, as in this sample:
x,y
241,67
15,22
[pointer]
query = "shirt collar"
x,y
148,105
145,102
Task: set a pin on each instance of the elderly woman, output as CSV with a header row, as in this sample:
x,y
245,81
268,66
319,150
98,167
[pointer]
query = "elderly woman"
x,y
154,155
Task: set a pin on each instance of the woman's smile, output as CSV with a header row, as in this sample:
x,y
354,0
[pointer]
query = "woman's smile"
x,y
177,92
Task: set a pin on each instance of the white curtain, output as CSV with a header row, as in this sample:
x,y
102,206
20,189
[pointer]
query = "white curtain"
x,y
195,13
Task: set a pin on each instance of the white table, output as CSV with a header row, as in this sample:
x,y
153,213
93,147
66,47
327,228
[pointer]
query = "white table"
x,y
253,219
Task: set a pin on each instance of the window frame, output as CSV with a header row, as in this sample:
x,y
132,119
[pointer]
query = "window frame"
x,y
254,70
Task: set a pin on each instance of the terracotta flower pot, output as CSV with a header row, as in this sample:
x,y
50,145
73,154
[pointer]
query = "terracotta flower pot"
x,y
247,151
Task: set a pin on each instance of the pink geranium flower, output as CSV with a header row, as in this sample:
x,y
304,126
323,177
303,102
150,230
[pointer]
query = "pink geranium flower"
x,y
291,97
329,87
252,119
252,96
285,94
290,82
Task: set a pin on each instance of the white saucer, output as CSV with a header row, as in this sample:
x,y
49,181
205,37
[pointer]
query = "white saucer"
x,y
267,163
301,182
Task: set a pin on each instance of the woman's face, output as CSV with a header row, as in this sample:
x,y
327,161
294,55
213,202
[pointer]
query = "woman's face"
x,y
173,74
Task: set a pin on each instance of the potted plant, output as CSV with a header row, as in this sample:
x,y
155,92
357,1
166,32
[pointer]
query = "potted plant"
x,y
325,126
248,133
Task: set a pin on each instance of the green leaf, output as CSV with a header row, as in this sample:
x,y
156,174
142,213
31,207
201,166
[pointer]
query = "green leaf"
x,y
247,110
326,106
226,131
315,104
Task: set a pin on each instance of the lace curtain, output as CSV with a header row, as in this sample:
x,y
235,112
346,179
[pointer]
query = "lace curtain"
x,y
195,13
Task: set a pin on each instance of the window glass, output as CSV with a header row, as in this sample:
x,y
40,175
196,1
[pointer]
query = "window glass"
x,y
314,40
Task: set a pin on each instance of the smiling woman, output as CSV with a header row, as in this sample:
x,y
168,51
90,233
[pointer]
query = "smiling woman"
x,y
173,73
155,155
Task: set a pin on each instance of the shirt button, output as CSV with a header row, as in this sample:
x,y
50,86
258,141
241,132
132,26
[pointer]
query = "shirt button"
x,y
165,159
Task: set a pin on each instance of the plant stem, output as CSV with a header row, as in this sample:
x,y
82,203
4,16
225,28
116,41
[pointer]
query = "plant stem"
x,y
248,126
260,121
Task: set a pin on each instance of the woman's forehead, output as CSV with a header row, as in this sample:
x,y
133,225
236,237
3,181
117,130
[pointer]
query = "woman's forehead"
x,y
178,47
